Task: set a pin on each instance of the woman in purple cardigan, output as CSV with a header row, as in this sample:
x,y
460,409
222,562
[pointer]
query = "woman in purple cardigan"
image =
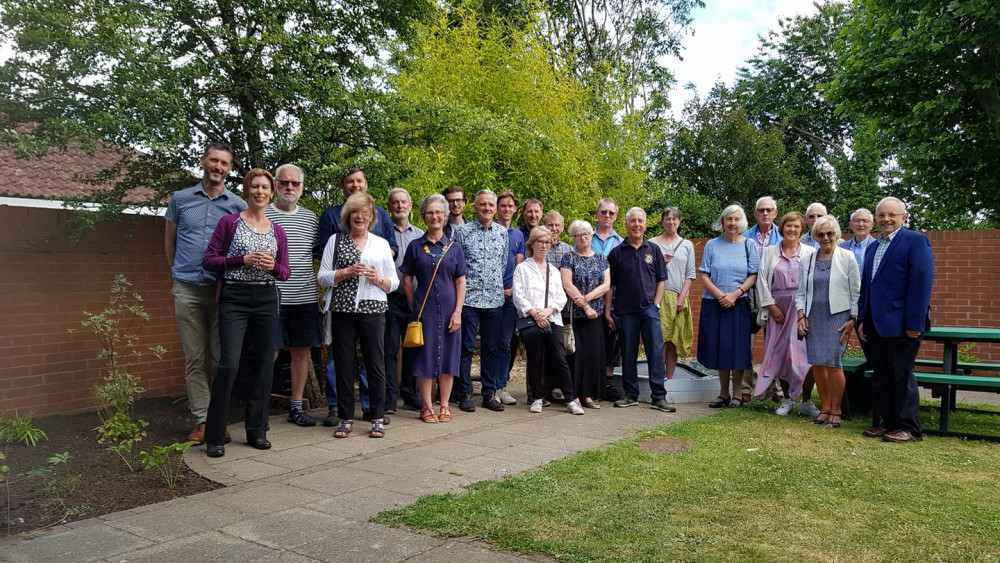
x,y
247,253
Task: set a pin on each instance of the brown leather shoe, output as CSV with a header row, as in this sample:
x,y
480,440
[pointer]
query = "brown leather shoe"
x,y
745,398
874,432
900,436
197,434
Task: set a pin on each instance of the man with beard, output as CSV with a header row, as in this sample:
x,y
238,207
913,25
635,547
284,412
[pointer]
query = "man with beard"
x,y
455,196
399,314
299,325
506,207
192,216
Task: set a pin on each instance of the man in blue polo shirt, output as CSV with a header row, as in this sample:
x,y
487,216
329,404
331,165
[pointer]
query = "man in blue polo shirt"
x,y
506,207
192,215
637,275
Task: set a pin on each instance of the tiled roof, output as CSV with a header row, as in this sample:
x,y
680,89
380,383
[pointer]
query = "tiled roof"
x,y
52,176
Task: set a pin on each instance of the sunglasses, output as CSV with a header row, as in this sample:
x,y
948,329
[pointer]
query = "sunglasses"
x,y
292,183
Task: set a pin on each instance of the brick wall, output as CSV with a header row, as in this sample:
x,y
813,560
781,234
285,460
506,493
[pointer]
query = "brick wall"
x,y
44,291
46,287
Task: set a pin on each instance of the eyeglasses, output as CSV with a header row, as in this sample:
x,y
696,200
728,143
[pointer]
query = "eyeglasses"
x,y
766,210
861,220
545,242
889,215
825,234
582,235
607,212
456,200
292,183
814,216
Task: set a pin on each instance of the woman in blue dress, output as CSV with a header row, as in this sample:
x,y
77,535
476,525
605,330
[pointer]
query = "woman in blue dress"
x,y
441,301
728,270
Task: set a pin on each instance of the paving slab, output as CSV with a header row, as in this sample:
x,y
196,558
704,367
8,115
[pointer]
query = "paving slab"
x,y
309,498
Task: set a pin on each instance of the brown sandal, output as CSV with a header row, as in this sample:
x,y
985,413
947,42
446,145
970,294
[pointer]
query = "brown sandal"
x,y
445,415
427,415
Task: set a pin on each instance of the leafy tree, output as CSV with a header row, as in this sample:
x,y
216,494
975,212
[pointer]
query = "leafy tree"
x,y
481,106
841,156
928,74
618,47
168,76
718,153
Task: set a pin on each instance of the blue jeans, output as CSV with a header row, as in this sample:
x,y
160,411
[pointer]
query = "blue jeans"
x,y
646,324
507,319
331,384
487,321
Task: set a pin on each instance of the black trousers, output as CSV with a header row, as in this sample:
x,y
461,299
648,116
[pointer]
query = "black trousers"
x,y
253,309
349,328
396,319
895,394
548,353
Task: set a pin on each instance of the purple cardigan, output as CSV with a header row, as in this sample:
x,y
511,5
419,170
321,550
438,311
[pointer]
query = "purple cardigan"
x,y
216,257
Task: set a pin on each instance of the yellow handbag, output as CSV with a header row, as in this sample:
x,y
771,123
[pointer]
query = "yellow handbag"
x,y
414,337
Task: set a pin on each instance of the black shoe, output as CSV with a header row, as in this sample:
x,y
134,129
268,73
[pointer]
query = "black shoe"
x,y
259,442
391,410
212,450
332,419
491,402
367,417
409,407
466,404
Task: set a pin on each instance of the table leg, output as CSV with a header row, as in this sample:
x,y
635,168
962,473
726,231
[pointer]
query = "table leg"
x,y
945,408
950,356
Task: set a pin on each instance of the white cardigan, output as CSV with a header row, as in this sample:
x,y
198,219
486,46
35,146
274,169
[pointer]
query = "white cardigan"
x,y
765,275
845,283
375,253
529,290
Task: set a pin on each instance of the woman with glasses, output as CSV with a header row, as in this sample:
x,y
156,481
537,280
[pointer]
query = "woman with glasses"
x,y
827,306
586,279
676,321
538,293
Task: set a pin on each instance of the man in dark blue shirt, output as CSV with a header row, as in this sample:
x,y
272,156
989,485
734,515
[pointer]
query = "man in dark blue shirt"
x,y
637,275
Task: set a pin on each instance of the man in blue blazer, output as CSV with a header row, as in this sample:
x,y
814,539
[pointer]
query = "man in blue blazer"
x,y
894,309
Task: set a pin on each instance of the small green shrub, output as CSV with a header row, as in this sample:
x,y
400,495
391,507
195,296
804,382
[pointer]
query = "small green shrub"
x,y
21,430
165,461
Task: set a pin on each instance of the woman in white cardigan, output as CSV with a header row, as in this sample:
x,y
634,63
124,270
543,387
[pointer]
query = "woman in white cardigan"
x,y
543,302
777,281
827,305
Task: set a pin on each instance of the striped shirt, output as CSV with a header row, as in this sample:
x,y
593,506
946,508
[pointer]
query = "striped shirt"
x,y
883,242
301,227
196,215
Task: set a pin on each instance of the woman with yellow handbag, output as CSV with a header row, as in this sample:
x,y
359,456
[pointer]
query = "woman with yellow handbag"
x,y
438,268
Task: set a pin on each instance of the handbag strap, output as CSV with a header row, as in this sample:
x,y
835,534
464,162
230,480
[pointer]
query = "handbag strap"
x,y
572,269
431,284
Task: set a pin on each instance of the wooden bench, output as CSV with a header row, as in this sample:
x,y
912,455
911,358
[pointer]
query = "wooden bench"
x,y
947,384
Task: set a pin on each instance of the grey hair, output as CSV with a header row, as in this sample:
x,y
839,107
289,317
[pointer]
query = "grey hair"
x,y
432,198
485,191
632,210
580,225
890,198
554,213
605,200
823,221
864,211
290,166
396,191
765,198
816,204
733,208
671,211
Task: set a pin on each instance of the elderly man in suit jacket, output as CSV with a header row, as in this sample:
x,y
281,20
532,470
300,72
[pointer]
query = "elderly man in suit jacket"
x,y
894,309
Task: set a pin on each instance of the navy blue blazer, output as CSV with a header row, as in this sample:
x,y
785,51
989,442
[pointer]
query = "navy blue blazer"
x,y
899,296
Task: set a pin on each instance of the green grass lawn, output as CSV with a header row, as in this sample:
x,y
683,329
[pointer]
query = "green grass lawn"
x,y
752,487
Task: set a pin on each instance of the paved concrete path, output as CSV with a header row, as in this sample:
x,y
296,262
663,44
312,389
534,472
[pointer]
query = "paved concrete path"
x,y
310,497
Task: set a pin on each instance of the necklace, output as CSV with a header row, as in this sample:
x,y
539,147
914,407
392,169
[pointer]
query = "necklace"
x,y
436,255
256,229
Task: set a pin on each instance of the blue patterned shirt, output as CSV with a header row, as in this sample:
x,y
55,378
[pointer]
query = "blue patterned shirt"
x,y
605,246
196,215
858,248
486,252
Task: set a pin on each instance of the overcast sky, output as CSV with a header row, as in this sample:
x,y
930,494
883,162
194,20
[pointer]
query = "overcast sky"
x,y
725,36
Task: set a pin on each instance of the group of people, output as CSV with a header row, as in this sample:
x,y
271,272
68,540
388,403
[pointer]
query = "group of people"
x,y
800,268
243,276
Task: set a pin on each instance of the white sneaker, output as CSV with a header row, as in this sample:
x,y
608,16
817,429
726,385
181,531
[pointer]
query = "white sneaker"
x,y
557,394
536,406
505,397
574,407
807,408
786,407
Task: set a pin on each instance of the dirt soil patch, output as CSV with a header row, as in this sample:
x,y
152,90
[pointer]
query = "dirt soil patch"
x,y
664,445
104,484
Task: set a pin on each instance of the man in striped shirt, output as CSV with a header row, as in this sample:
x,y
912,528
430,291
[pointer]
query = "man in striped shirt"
x,y
299,326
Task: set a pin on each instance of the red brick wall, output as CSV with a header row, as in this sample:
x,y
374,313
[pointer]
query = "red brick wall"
x,y
44,291
966,282
45,288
